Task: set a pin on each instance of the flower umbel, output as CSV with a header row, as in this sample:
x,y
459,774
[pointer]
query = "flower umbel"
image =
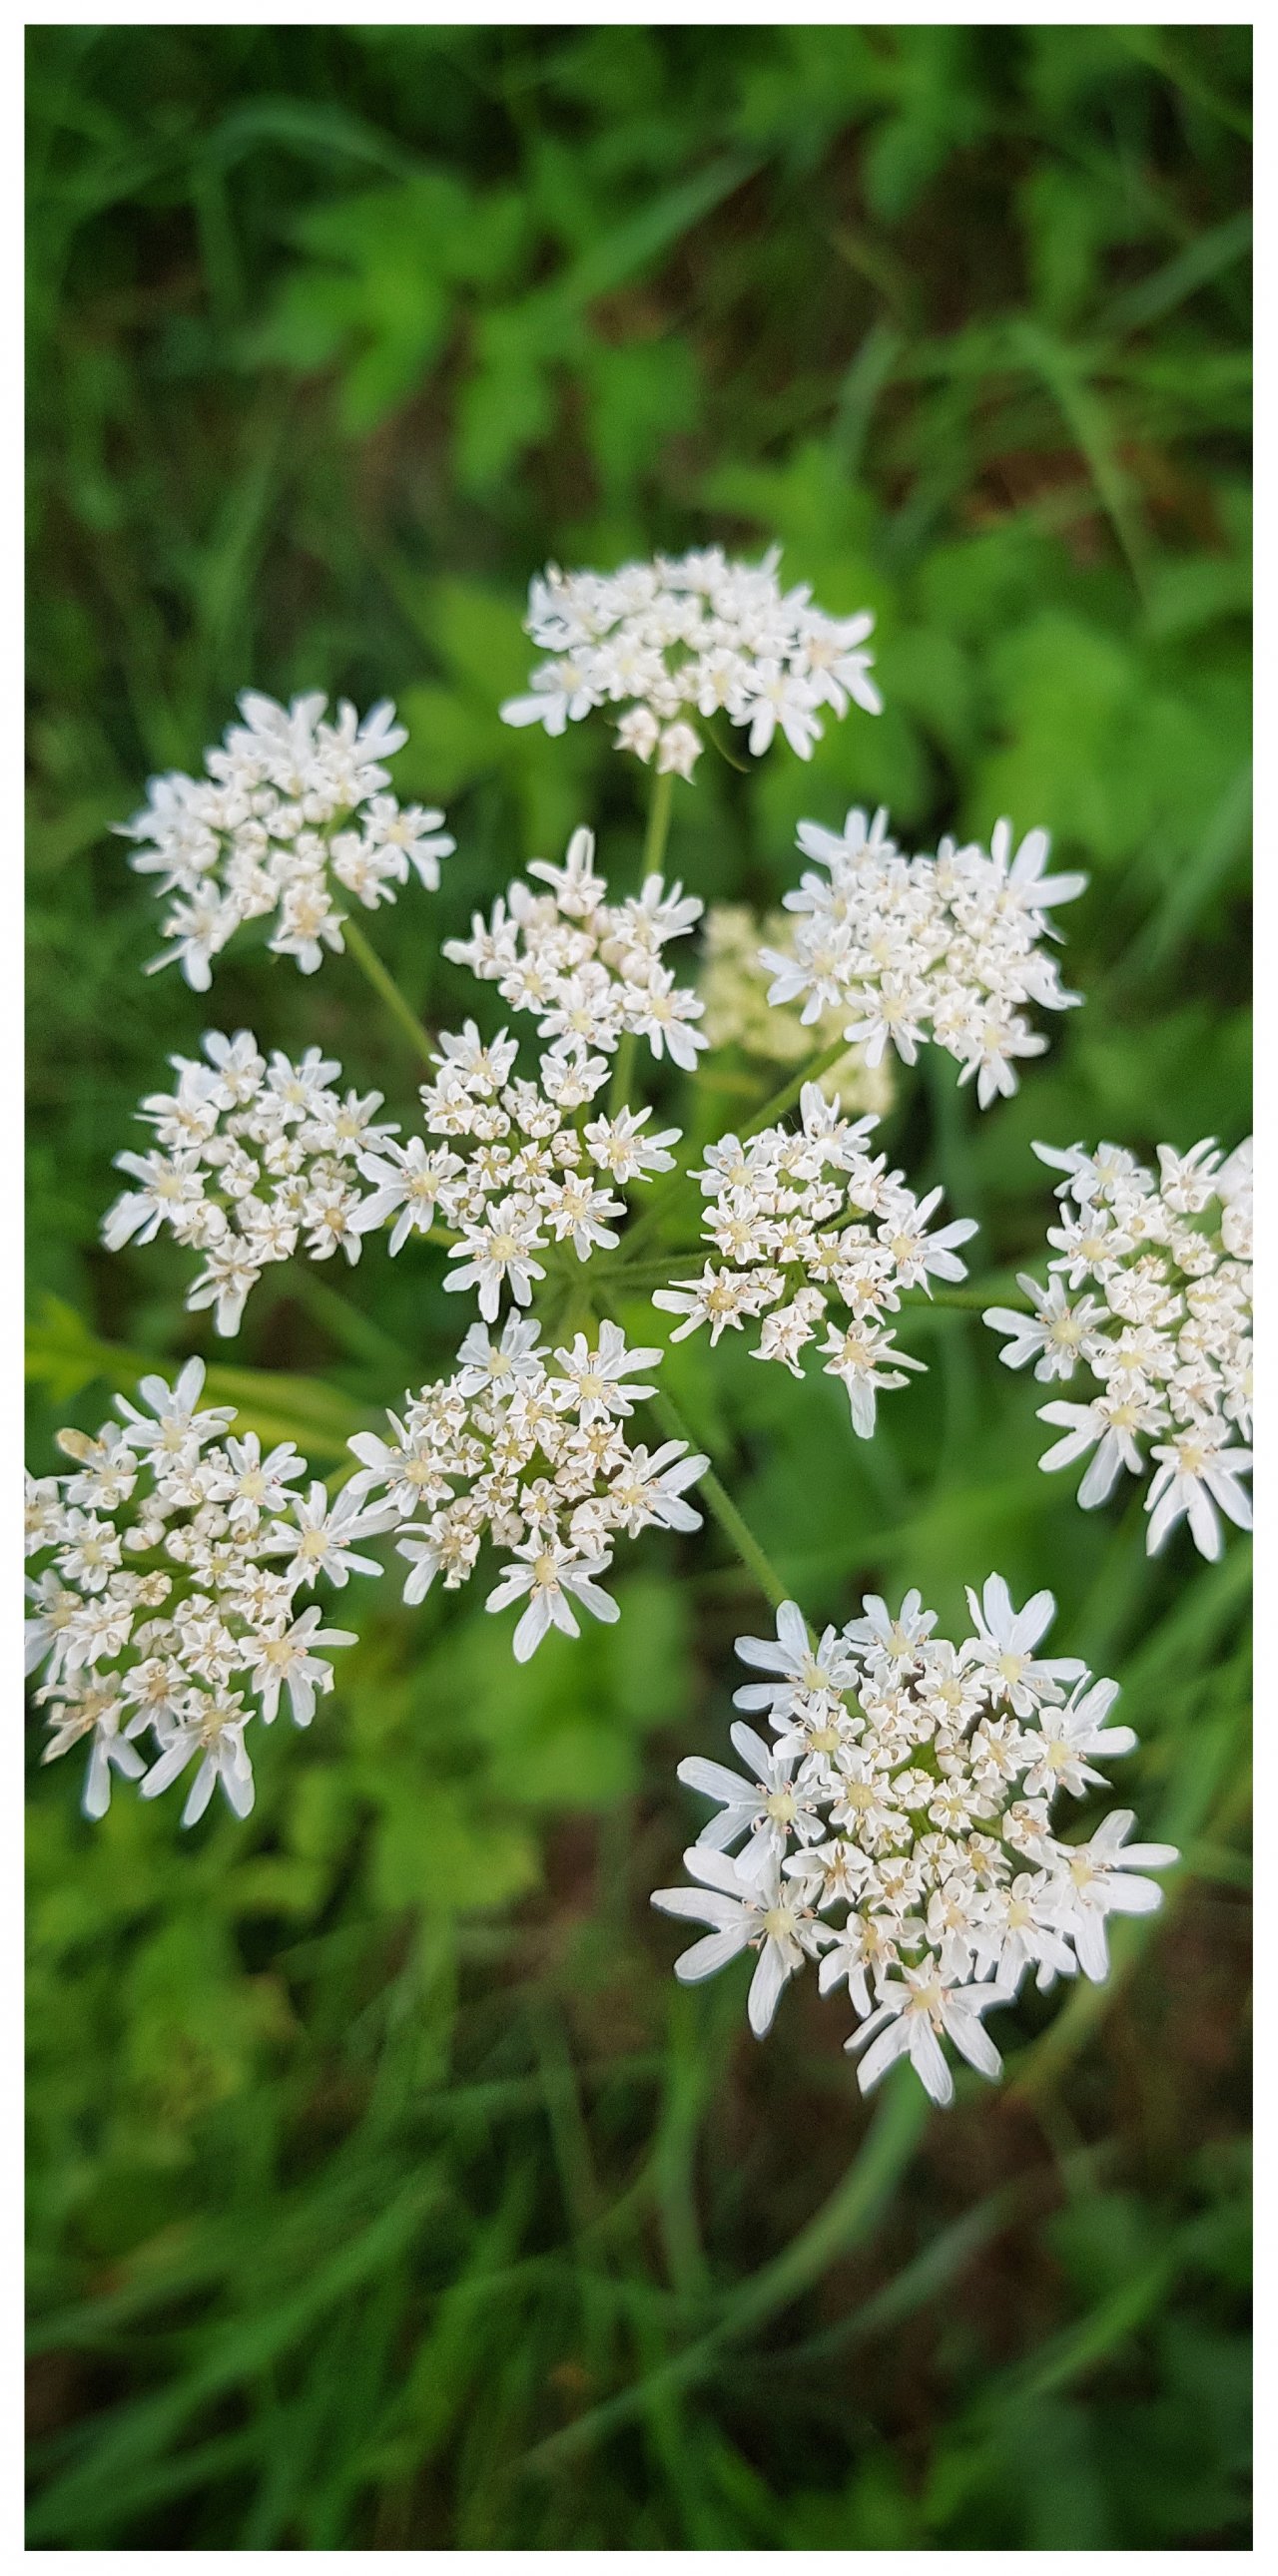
x,y
591,971
251,1163
530,1450
661,644
800,1216
1150,1296
290,822
165,1618
913,951
901,1828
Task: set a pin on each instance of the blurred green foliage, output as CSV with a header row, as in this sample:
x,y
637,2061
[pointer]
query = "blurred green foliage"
x,y
385,2190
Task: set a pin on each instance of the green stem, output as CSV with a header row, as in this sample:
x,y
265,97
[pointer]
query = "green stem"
x,y
623,1073
657,1273
658,831
386,988
723,1507
654,850
789,1092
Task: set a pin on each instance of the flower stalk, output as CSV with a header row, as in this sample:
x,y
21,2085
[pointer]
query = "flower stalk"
x,y
386,989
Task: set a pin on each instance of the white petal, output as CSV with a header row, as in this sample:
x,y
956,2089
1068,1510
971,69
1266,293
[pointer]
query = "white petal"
x,y
765,1988
705,1957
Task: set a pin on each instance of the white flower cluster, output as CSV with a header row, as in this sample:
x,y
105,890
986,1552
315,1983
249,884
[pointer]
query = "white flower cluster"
x,y
291,816
251,1160
178,1552
797,1214
533,1173
899,1826
591,971
534,1458
689,636
943,949
1158,1309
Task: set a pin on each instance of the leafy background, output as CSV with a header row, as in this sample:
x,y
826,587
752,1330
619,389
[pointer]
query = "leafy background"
x,y
385,2189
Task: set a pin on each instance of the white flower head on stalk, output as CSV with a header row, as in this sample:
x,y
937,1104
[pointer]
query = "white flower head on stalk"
x,y
1149,1301
251,1162
666,647
290,824
165,1617
591,971
528,1449
944,951
254,1162
901,1824
811,1229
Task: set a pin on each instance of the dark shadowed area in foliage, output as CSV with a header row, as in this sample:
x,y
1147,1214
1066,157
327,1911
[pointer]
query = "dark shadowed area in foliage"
x,y
385,2189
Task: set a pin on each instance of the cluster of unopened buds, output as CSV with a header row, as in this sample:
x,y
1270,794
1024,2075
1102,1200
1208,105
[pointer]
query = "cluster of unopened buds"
x,y
902,1820
1150,1293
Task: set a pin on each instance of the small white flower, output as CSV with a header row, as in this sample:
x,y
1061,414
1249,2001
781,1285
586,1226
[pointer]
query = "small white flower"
x,y
513,1361
287,1663
593,1378
744,1913
1195,1479
498,1253
215,1732
768,1808
178,1431
912,2011
552,1576
649,1488
1054,1336
1094,1884
320,1537
1002,1649
1062,1737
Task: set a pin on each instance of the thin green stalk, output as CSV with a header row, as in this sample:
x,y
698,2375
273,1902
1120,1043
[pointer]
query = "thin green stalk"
x,y
634,1279
658,831
386,988
724,1509
623,1073
785,1098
